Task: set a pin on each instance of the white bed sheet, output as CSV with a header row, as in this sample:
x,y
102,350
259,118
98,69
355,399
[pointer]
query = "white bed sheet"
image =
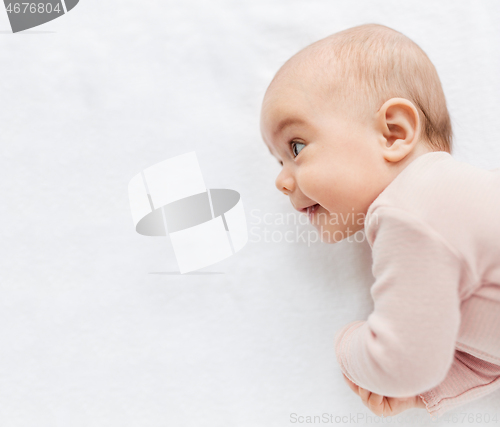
x,y
90,337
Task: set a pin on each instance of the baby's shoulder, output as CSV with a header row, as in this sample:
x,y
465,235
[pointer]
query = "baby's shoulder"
x,y
439,190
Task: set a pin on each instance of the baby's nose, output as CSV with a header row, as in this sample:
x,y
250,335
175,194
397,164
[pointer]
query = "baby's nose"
x,y
285,183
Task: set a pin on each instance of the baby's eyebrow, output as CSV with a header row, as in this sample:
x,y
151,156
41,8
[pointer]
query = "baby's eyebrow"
x,y
288,122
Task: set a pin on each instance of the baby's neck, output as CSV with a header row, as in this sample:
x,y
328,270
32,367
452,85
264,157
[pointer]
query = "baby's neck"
x,y
419,150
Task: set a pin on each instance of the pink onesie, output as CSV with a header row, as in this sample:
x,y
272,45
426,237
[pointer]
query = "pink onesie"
x,y
435,328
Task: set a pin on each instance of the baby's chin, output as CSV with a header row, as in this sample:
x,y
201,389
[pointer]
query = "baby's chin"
x,y
327,235
329,229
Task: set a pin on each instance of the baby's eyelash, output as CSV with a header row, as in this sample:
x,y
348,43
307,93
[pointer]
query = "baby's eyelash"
x,y
291,144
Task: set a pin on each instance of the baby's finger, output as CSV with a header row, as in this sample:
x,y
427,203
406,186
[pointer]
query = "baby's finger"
x,y
375,400
365,395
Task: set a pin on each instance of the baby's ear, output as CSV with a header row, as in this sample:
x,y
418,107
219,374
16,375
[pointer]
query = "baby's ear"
x,y
398,123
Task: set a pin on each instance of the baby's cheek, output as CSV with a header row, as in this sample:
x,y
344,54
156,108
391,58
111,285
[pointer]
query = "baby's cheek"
x,y
309,179
315,182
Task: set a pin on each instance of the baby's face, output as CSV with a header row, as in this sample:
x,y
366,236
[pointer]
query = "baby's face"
x,y
327,158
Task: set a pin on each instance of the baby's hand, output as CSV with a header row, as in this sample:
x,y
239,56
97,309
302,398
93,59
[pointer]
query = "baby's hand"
x,y
385,406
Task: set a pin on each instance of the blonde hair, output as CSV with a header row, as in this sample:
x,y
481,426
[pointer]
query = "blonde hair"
x,y
369,64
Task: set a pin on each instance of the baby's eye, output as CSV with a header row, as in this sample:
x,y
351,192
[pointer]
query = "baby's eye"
x,y
295,149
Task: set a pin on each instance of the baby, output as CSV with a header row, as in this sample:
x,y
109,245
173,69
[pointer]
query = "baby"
x,y
359,123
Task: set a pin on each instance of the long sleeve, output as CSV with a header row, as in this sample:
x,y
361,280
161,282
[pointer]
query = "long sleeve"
x,y
407,344
468,379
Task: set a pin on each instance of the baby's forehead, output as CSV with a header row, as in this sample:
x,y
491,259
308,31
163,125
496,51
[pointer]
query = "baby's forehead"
x,y
279,111
290,104
291,93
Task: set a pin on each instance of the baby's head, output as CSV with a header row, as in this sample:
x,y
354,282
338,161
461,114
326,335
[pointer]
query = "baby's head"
x,y
345,116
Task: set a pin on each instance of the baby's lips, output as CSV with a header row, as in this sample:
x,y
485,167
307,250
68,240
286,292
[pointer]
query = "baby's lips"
x,y
304,210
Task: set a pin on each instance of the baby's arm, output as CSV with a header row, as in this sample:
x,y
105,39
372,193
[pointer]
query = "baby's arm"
x,y
468,379
407,345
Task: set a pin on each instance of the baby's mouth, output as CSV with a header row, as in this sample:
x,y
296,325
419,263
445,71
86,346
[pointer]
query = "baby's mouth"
x,y
310,208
